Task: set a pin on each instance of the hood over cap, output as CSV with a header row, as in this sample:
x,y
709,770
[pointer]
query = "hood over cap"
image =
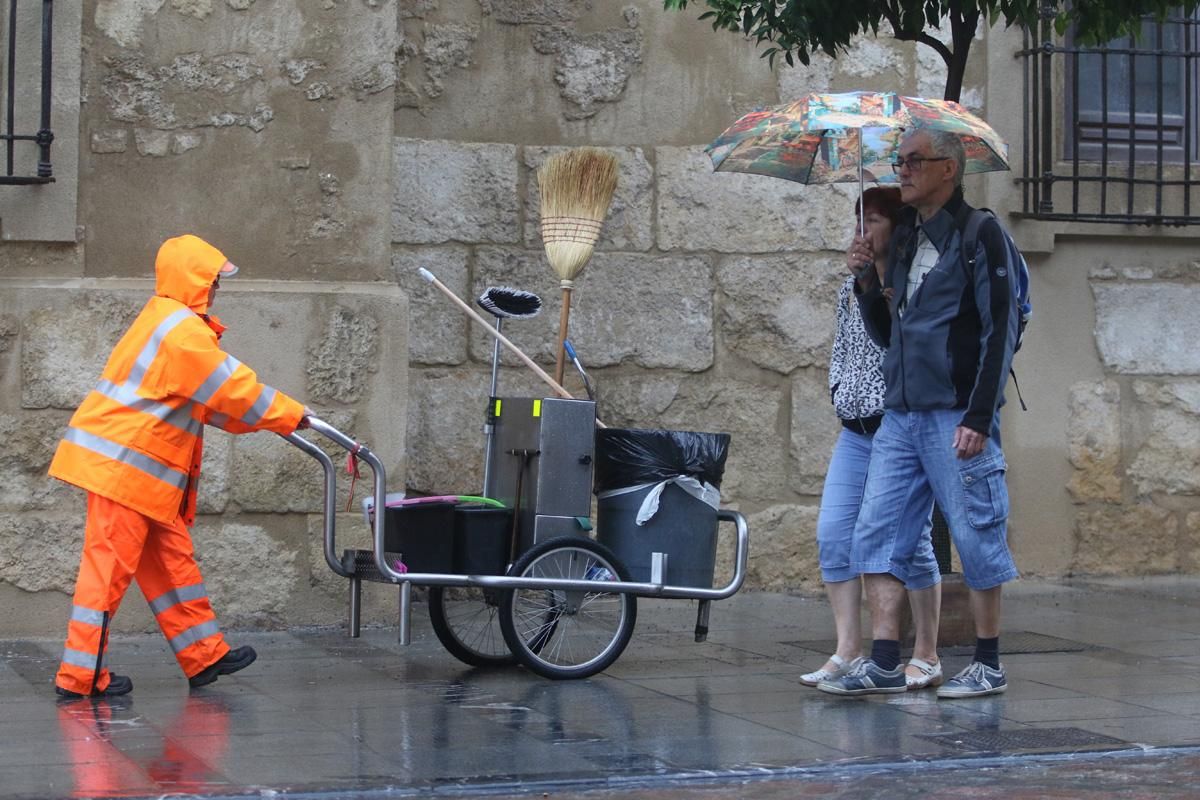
x,y
185,269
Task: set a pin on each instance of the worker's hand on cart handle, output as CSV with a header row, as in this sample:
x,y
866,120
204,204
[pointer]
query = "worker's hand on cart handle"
x,y
303,424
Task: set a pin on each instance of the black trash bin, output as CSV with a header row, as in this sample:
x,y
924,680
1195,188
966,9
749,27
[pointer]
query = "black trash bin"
x,y
630,464
423,535
482,539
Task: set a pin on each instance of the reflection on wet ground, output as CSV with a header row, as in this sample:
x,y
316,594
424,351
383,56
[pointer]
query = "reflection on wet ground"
x,y
320,712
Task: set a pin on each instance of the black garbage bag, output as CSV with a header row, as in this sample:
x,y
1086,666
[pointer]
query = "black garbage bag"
x,y
631,457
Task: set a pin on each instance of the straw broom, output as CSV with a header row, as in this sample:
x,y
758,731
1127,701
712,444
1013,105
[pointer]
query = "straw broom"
x,y
577,187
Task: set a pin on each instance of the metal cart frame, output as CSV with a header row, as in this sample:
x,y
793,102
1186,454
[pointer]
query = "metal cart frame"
x,y
570,595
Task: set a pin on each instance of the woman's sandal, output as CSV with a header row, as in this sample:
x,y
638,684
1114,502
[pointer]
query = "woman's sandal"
x,y
931,674
841,667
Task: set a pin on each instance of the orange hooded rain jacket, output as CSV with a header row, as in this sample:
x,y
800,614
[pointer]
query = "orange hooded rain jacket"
x,y
136,439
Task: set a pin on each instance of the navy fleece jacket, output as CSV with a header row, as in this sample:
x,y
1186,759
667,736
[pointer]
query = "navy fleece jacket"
x,y
952,344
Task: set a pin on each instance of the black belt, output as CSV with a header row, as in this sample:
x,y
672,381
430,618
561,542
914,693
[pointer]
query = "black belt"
x,y
864,425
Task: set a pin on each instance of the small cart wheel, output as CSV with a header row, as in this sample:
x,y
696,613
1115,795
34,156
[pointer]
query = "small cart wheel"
x,y
466,621
568,633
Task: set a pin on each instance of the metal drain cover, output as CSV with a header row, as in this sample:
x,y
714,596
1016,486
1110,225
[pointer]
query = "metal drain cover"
x,y
1025,739
1010,644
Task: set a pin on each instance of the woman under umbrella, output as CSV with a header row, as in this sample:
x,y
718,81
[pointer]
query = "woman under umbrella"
x,y
856,389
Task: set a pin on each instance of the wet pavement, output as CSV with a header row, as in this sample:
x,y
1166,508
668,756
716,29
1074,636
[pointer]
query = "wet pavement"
x,y
1105,698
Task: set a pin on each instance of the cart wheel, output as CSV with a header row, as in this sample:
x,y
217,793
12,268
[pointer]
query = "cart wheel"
x,y
561,633
467,623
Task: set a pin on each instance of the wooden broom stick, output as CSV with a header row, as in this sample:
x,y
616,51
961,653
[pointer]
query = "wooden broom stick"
x,y
564,316
541,373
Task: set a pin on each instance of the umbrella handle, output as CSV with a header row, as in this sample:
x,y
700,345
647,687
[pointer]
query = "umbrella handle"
x,y
862,212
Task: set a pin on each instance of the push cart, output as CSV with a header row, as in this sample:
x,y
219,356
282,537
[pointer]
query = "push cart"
x,y
558,601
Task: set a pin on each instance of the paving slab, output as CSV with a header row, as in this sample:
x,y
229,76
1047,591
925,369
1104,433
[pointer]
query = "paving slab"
x,y
325,715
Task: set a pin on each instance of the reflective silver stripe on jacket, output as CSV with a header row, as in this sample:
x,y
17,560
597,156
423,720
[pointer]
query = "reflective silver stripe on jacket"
x,y
216,380
150,350
127,395
194,634
88,616
79,658
144,463
176,596
256,411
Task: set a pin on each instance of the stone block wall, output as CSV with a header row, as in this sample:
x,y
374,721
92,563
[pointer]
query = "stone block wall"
x,y
1134,434
261,124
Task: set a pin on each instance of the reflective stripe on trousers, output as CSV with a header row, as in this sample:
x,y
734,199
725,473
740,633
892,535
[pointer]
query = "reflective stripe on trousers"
x,y
119,545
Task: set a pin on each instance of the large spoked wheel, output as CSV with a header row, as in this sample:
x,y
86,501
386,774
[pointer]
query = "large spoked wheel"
x,y
466,621
568,633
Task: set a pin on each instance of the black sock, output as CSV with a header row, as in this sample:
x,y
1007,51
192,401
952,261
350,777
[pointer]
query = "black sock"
x,y
987,651
886,653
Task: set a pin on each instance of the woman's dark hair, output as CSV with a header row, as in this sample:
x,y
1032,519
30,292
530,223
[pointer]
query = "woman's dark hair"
x,y
884,199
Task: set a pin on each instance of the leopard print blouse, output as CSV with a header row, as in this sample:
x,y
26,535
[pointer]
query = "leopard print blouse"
x,y
856,384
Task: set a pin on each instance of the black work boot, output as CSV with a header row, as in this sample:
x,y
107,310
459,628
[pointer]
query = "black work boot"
x,y
230,663
117,685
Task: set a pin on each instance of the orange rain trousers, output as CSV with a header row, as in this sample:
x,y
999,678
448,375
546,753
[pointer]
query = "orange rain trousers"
x,y
119,545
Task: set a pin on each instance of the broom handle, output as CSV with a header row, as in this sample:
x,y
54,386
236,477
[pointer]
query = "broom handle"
x,y
563,316
541,373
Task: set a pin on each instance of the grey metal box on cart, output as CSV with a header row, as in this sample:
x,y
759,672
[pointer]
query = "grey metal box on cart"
x,y
546,446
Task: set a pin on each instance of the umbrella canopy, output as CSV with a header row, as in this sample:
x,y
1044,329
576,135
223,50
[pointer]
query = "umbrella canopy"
x,y
831,138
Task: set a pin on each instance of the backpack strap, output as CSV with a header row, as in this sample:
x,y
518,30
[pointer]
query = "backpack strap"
x,y
969,223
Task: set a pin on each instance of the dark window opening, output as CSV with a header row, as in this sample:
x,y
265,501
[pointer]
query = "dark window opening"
x,y
26,132
1111,131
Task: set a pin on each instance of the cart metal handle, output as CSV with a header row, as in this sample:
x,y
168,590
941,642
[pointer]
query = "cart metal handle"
x,y
379,482
329,512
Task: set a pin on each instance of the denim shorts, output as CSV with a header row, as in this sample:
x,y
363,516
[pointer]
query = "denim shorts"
x,y
840,503
913,462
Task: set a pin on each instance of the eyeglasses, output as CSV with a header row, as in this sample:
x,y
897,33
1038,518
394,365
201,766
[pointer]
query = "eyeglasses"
x,y
914,163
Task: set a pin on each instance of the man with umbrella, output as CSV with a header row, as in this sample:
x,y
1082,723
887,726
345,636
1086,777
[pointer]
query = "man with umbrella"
x,y
950,327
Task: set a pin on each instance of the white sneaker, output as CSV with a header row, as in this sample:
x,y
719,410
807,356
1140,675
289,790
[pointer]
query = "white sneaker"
x,y
841,667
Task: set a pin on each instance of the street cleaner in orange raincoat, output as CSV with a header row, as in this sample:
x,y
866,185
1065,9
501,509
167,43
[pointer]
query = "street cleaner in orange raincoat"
x,y
134,445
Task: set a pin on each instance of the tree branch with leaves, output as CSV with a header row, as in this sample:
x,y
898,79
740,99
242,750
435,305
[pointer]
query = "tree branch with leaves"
x,y
797,29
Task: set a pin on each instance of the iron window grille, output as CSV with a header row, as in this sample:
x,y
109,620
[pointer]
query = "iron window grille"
x,y
1127,145
43,137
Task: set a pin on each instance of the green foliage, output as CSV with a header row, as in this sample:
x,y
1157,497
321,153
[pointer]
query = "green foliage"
x,y
795,29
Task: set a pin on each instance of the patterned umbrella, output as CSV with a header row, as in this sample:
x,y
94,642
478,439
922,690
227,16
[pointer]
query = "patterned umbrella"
x,y
833,138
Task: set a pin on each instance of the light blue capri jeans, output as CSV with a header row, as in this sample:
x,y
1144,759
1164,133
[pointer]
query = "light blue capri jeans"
x,y
845,483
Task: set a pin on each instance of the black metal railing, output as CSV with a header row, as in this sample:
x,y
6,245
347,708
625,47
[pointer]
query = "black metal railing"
x,y
1111,131
44,135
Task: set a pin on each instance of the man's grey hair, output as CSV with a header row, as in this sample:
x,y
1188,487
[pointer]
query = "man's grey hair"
x,y
947,145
